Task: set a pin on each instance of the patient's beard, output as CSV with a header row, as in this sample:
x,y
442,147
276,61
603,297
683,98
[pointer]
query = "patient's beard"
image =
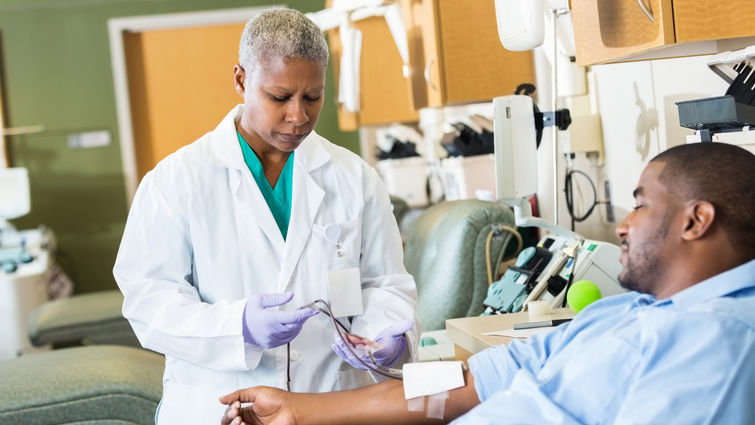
x,y
643,260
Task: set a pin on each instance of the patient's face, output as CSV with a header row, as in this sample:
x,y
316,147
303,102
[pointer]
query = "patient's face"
x,y
645,233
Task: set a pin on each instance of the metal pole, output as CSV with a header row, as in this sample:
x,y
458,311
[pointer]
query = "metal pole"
x,y
554,129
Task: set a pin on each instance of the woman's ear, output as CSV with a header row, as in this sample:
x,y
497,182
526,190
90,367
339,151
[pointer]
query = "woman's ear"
x,y
698,220
239,79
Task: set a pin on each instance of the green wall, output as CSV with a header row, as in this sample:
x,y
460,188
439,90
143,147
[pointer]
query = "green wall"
x,y
55,64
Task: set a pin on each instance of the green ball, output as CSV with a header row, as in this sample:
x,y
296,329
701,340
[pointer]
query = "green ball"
x,y
581,294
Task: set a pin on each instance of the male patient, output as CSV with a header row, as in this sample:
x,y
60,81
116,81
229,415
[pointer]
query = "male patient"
x,y
678,349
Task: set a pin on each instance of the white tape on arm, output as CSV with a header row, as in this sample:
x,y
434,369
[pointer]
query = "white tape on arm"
x,y
427,378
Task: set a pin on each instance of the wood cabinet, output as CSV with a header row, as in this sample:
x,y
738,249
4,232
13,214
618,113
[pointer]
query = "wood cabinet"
x,y
613,30
383,90
455,56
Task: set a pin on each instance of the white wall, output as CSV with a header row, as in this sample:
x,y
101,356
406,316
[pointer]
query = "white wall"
x,y
639,117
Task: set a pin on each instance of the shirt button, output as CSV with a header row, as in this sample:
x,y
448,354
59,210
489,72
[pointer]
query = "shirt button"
x,y
295,355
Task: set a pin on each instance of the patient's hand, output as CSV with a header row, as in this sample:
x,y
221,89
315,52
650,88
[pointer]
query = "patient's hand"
x,y
269,406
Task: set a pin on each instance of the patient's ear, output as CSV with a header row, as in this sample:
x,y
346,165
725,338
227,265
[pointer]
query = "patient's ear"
x,y
699,217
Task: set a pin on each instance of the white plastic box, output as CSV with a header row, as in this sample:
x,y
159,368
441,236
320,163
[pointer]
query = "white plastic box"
x,y
21,291
405,178
468,177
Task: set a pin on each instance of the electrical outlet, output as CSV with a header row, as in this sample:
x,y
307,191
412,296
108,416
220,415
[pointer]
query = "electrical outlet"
x,y
89,139
608,202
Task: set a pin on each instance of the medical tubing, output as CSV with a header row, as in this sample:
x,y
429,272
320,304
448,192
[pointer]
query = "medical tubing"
x,y
374,367
488,265
288,346
288,367
512,232
341,328
569,194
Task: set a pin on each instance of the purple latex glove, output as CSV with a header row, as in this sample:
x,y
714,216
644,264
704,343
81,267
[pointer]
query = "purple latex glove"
x,y
268,328
391,340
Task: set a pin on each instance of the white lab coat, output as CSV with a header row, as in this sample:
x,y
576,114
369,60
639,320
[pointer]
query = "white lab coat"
x,y
200,239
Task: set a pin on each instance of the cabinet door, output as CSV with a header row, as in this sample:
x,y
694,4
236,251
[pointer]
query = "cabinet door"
x,y
696,20
424,63
614,29
383,90
474,64
456,56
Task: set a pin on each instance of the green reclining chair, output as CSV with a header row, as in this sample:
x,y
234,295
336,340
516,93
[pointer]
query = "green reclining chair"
x,y
105,385
446,253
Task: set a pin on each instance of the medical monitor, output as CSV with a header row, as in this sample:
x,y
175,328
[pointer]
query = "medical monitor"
x,y
14,194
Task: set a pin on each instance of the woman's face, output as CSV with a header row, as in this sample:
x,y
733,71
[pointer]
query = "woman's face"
x,y
282,101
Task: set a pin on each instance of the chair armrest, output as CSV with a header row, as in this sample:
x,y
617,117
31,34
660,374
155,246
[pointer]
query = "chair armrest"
x,y
90,319
98,384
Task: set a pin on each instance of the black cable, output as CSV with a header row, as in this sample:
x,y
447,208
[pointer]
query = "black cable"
x,y
288,367
340,329
569,193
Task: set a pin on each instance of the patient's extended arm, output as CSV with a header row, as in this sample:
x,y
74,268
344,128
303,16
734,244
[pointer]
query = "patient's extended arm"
x,y
382,403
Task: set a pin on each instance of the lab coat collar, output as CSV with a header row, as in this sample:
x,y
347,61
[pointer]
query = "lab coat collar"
x,y
227,152
305,200
224,145
307,196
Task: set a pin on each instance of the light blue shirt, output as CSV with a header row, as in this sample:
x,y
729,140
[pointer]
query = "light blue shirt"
x,y
631,359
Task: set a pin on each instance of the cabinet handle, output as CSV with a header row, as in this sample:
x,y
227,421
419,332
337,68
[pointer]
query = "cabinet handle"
x,y
645,10
427,74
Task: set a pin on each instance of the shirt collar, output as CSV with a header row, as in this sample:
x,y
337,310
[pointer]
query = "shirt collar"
x,y
720,285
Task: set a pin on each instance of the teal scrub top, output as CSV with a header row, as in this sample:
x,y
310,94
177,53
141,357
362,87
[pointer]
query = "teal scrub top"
x,y
278,198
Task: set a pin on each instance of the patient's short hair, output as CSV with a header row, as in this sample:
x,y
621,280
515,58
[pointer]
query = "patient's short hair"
x,y
721,174
285,33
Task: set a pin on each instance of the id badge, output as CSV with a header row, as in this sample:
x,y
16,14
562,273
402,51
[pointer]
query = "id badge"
x,y
345,292
344,283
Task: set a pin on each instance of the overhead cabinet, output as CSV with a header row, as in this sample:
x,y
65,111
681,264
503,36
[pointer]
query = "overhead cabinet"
x,y
614,30
383,90
455,56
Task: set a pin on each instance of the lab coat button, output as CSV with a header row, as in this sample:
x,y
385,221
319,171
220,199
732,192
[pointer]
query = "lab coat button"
x,y
295,355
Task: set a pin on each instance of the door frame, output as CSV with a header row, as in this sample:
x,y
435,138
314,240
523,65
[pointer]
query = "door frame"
x,y
116,28
4,161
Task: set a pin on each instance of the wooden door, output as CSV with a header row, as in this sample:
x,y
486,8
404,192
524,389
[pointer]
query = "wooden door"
x,y
180,86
